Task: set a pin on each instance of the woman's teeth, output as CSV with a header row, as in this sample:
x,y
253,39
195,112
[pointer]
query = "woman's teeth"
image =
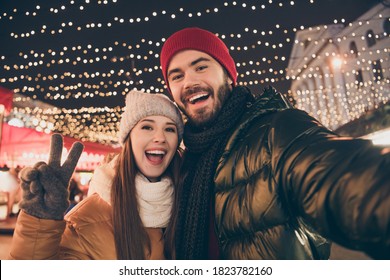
x,y
156,155
156,152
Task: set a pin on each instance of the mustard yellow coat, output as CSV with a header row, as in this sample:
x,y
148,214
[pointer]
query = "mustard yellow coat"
x,y
86,233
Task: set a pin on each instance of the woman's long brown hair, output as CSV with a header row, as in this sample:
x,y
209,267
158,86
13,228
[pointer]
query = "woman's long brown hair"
x,y
131,238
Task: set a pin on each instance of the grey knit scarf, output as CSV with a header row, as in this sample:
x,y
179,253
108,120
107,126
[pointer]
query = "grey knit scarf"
x,y
203,151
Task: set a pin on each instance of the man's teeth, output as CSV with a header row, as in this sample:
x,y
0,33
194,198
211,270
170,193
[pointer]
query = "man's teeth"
x,y
156,152
195,97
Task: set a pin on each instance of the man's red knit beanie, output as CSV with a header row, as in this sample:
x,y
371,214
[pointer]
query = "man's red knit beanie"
x,y
200,40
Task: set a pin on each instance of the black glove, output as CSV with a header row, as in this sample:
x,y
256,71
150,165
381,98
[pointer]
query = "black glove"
x,y
45,186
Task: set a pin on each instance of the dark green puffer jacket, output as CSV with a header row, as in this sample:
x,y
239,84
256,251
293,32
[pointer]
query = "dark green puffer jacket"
x,y
284,179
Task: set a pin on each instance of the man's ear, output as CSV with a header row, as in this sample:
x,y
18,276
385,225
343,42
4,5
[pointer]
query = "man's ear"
x,y
230,81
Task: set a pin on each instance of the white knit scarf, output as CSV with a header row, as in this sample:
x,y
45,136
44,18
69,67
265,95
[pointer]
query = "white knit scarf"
x,y
154,200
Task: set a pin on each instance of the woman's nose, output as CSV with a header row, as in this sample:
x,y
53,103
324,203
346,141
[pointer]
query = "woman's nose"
x,y
159,136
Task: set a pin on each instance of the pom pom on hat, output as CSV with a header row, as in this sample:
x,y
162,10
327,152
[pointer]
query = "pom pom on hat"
x,y
201,40
140,105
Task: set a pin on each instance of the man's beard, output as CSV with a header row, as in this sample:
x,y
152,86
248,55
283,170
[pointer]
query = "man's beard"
x,y
203,118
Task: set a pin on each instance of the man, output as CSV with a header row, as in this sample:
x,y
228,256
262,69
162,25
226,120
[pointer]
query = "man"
x,y
263,180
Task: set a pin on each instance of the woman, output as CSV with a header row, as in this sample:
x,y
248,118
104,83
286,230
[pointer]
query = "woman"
x,y
130,198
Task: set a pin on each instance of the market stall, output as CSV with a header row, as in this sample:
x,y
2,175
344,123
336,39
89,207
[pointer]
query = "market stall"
x,y
22,146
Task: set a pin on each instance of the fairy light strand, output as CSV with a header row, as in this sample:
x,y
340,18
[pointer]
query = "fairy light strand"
x,y
123,65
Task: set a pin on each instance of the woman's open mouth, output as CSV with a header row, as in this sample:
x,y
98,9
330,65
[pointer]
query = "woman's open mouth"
x,y
155,156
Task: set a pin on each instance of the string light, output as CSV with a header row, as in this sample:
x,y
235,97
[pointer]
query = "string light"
x,y
344,97
138,19
125,64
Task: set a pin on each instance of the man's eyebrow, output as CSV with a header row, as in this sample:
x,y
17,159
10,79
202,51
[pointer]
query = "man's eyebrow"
x,y
200,59
196,61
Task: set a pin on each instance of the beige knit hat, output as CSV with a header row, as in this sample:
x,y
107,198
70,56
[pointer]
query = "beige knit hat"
x,y
140,105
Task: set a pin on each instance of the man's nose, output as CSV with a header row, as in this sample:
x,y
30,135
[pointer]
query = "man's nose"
x,y
190,80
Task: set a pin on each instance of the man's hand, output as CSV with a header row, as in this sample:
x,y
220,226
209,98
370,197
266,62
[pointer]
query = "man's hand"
x,y
45,186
